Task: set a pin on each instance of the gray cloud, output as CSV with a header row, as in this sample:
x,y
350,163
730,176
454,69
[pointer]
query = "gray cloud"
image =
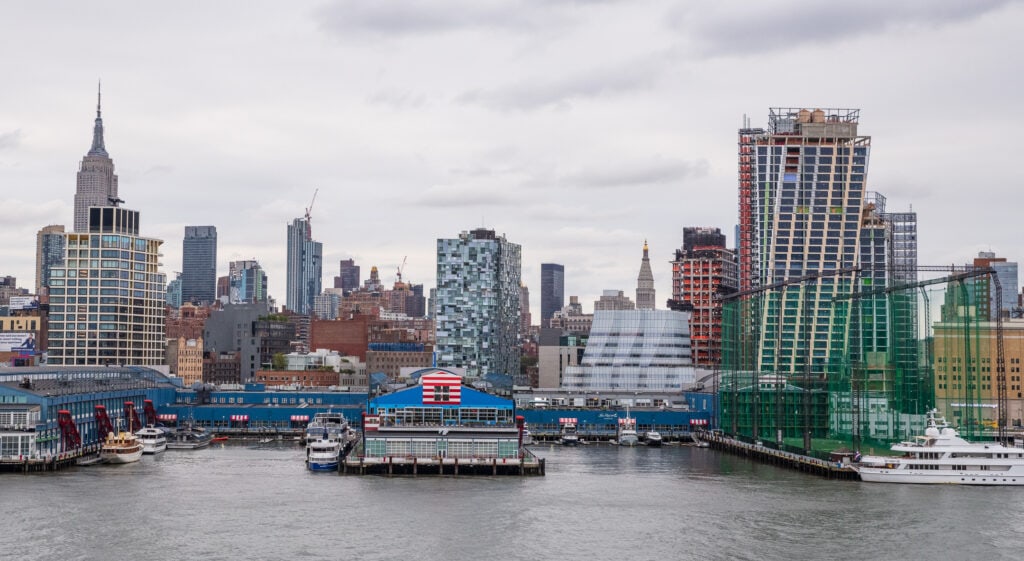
x,y
10,139
419,17
729,28
655,172
397,99
454,196
559,92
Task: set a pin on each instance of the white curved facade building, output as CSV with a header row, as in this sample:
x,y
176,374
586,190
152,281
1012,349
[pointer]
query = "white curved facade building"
x,y
641,350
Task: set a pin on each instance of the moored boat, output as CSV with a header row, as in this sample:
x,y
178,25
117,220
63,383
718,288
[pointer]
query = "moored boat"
x,y
323,454
653,438
627,435
942,456
121,448
153,439
569,436
189,437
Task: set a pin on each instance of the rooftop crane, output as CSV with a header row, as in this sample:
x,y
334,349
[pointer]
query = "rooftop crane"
x,y
309,219
401,268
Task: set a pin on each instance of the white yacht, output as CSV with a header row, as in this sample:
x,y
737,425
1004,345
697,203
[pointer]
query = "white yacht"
x,y
569,436
941,456
153,440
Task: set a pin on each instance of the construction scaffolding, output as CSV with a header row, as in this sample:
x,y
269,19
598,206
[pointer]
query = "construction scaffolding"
x,y
895,351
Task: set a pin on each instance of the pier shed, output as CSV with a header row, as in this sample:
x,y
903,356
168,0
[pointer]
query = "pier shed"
x,y
438,426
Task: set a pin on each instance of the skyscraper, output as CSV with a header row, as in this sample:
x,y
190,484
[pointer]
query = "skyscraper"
x,y
702,272
305,267
524,311
247,282
1006,271
645,284
49,252
97,183
107,296
108,310
801,191
199,265
477,303
552,291
348,276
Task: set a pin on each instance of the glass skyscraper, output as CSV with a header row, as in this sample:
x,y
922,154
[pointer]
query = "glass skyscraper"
x,y
305,267
802,187
477,304
552,291
199,265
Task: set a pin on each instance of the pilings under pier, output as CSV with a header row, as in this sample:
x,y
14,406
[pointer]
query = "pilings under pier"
x,y
49,462
528,465
764,454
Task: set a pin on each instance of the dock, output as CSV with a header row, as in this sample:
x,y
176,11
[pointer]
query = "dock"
x,y
49,462
782,458
527,464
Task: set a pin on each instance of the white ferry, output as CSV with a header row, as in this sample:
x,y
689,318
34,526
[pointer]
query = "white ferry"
x,y
154,440
941,456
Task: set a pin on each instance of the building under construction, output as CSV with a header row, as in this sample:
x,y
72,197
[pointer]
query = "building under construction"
x,y
703,271
832,340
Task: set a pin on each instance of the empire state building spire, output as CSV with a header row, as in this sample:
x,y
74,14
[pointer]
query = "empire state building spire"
x,y
645,284
97,182
97,130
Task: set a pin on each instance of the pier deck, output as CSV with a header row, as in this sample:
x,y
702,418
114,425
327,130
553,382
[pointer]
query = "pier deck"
x,y
526,465
768,455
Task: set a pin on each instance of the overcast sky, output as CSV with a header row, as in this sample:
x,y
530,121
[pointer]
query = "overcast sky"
x,y
576,128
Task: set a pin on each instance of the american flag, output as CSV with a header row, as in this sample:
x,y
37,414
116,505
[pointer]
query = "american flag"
x,y
441,388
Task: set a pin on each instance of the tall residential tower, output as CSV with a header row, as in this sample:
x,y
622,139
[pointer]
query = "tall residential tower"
x,y
477,305
305,267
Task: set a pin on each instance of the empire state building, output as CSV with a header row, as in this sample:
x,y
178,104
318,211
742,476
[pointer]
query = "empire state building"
x,y
97,182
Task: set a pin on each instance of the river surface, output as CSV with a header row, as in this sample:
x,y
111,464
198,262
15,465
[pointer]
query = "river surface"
x,y
237,502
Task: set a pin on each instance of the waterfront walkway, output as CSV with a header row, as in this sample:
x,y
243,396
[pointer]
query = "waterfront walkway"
x,y
773,456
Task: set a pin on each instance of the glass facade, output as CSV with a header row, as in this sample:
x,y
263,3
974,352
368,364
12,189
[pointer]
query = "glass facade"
x,y
107,301
477,304
644,350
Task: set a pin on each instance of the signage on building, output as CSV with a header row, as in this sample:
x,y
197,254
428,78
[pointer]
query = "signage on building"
x,y
16,342
24,303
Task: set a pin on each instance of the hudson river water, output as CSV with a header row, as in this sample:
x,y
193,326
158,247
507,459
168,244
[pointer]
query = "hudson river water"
x,y
597,502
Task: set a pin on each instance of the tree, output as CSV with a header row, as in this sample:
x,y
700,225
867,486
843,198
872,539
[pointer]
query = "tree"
x,y
278,361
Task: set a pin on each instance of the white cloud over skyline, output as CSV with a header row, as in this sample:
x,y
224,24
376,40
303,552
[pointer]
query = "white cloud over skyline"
x,y
578,129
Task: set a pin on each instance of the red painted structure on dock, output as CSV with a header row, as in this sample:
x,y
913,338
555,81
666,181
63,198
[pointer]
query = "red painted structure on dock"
x,y
149,412
103,426
134,423
69,437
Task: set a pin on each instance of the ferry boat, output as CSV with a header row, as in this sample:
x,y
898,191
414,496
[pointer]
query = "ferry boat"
x,y
323,454
189,437
329,425
942,456
121,448
627,435
153,440
653,438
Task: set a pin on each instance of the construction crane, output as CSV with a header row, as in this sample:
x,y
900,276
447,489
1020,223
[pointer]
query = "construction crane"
x,y
401,268
309,219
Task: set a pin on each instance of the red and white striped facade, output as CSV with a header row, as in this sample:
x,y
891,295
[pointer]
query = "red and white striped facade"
x,y
441,388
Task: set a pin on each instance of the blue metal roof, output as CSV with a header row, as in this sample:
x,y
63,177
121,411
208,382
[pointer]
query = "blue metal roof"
x,y
413,397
